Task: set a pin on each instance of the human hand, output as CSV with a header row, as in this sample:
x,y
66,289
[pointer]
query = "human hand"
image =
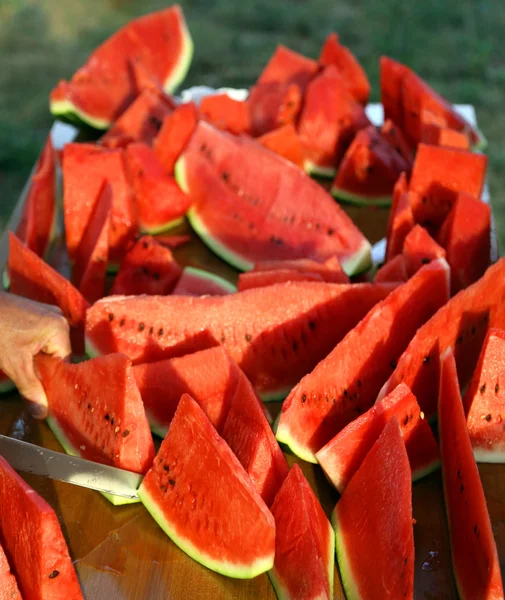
x,y
27,328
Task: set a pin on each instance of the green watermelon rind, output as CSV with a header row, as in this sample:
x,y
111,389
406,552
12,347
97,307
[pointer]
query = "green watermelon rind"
x,y
427,470
68,111
283,436
482,455
224,568
360,199
275,395
6,280
69,449
348,582
161,228
223,283
315,170
359,262
178,75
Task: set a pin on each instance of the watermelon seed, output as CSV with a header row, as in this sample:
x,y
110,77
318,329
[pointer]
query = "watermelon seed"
x,y
425,200
345,393
488,418
121,323
145,270
327,398
294,345
304,398
359,383
312,326
475,529
404,561
459,473
461,488
425,261
166,468
156,276
496,388
89,405
145,245
107,417
392,364
141,326
331,231
160,332
112,421
482,388
163,488
459,339
54,574
111,317
473,330
357,409
155,122
171,481
248,338
126,433
225,175
426,360
223,339
406,420
369,169
151,330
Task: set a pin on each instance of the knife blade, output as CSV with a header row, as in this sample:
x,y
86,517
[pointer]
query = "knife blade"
x,y
29,458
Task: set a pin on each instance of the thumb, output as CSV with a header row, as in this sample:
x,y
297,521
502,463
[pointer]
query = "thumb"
x,y
30,388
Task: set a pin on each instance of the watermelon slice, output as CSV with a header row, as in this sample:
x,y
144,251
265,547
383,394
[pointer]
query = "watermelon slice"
x,y
329,121
484,403
140,122
288,66
419,248
159,202
439,174
226,113
148,268
250,205
288,329
401,219
9,589
304,545
474,557
172,241
376,555
104,87
352,73
272,105
90,268
394,270
466,235
221,521
394,136
32,278
174,134
461,324
435,135
341,457
285,142
33,540
391,75
197,282
345,384
369,170
84,168
96,412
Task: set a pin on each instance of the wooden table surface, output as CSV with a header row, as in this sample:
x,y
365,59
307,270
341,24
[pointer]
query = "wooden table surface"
x,y
120,553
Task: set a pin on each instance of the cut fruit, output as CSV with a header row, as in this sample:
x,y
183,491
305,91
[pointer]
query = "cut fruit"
x,y
466,236
341,457
376,555
475,560
249,435
209,376
369,170
394,136
401,219
419,248
287,66
345,384
435,135
172,241
160,204
34,542
32,278
272,105
461,324
197,282
104,87
483,401
226,113
285,142
391,75
352,73
394,270
221,521
148,268
96,412
9,589
251,205
174,134
289,327
439,174
305,543
329,121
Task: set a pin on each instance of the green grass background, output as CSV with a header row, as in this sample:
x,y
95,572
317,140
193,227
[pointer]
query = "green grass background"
x,y
457,45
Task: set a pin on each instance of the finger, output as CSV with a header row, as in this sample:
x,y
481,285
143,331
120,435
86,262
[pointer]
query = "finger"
x,y
59,343
30,387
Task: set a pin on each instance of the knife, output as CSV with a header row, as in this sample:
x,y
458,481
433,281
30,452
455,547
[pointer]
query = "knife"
x,y
28,458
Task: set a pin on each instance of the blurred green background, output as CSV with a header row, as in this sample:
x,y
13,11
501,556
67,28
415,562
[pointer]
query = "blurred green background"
x,y
457,45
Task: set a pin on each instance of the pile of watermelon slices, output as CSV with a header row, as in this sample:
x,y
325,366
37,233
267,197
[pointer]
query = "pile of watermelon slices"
x,y
363,365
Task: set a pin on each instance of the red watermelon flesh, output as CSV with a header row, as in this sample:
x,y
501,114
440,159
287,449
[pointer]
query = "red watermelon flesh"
x,y
443,136
32,538
285,142
401,219
174,134
249,435
394,136
84,167
376,554
226,113
304,544
475,560
466,236
197,282
352,73
90,268
329,121
104,87
263,207
346,383
394,270
203,499
97,407
159,201
275,334
140,122
272,105
32,278
287,66
8,585
461,324
172,241
483,401
209,376
369,170
419,248
439,174
148,268
391,75
37,221
341,457
256,279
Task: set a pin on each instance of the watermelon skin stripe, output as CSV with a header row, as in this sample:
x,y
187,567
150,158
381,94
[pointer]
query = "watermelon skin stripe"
x,y
349,584
69,111
357,200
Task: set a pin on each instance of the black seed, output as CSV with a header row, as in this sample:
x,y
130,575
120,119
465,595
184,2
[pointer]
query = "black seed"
x,y
151,330
223,339
203,147
404,561
112,421
369,169
459,339
163,488
426,359
294,345
145,270
392,364
304,398
459,473
425,200
145,245
473,330
107,417
482,388
171,481
425,261
89,406
141,326
248,338
121,323
111,317
488,418
496,388
357,409
155,122
345,393
54,574
475,529
406,420
225,175
461,488
160,331
156,276
126,433
331,231
166,468
312,325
